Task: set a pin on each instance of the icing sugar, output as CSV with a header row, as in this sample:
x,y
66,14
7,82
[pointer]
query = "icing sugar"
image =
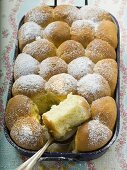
x,y
24,65
80,67
27,132
93,13
98,133
29,84
61,84
67,13
93,86
52,66
29,31
78,25
40,49
41,15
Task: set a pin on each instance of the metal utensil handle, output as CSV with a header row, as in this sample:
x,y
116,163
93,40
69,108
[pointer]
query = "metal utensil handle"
x,y
60,158
31,161
55,2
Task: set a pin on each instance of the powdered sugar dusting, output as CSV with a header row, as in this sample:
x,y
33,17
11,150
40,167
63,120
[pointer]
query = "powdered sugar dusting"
x,y
40,49
80,67
73,14
34,46
29,84
57,32
40,15
61,84
93,13
107,68
78,25
27,133
67,13
29,31
93,86
98,133
70,50
99,49
52,66
83,31
51,27
92,82
24,65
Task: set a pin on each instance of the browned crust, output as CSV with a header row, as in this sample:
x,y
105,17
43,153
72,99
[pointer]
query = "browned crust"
x,y
84,143
99,49
107,31
105,110
17,107
37,15
33,136
40,49
70,50
57,32
108,69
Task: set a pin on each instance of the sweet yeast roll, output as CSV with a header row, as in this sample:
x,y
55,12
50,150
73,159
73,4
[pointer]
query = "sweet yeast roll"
x,y
104,109
91,136
99,49
42,15
107,31
66,13
28,32
83,31
70,50
57,32
19,106
28,134
61,85
33,86
109,70
25,65
93,86
52,66
40,49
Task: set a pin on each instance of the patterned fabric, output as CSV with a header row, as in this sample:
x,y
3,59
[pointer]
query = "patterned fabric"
x,y
11,13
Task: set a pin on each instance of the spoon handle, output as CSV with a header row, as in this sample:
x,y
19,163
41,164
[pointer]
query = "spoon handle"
x,y
31,161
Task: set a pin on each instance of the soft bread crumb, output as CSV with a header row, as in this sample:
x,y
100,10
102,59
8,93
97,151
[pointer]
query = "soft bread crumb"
x,y
68,114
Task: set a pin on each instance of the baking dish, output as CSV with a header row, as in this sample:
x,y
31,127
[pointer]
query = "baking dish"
x,y
73,156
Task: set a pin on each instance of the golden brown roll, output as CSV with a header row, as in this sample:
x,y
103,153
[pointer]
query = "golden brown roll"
x,y
19,106
28,85
42,15
83,31
61,85
51,66
40,49
92,87
28,134
28,33
91,136
108,69
66,116
24,65
107,31
70,50
57,32
66,13
94,14
99,49
33,86
80,67
104,109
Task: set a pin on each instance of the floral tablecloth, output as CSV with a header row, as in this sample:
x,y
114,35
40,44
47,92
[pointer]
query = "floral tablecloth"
x,y
11,11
